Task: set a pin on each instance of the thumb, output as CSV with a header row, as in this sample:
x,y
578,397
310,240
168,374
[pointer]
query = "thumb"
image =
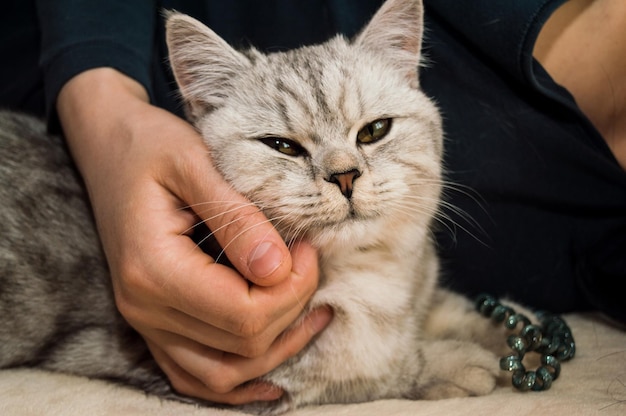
x,y
247,237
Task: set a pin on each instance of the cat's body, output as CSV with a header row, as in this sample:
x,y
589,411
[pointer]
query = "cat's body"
x,y
337,144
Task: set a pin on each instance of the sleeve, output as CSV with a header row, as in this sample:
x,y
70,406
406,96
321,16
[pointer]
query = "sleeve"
x,y
503,31
77,35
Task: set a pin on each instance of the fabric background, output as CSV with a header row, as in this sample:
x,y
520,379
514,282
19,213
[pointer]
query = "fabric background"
x,y
593,383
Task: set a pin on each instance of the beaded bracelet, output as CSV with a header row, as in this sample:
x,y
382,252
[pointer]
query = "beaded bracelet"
x,y
552,339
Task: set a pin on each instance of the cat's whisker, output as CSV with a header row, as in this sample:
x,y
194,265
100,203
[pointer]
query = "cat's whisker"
x,y
216,206
214,202
453,209
210,218
223,212
447,214
430,208
295,235
212,234
240,234
444,218
449,186
450,207
414,210
469,193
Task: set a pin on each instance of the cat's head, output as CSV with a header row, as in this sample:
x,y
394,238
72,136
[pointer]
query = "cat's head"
x,y
334,141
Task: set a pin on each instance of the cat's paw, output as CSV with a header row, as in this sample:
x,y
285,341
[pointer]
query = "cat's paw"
x,y
457,369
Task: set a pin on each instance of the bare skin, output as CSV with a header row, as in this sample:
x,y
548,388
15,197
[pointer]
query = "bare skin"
x,y
210,328
583,48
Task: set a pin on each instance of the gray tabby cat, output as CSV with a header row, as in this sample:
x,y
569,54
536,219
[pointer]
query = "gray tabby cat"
x,y
338,145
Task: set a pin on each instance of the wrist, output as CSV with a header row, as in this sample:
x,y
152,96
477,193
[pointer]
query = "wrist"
x,y
99,82
96,100
95,108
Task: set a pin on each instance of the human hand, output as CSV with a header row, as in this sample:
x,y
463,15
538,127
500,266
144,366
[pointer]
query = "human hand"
x,y
150,181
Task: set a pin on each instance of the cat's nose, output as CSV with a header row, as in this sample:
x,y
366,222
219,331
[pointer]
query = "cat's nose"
x,y
345,181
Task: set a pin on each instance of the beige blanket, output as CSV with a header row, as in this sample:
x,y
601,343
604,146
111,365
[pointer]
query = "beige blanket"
x,y
593,383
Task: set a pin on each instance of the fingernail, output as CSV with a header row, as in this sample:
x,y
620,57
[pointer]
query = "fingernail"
x,y
320,318
265,259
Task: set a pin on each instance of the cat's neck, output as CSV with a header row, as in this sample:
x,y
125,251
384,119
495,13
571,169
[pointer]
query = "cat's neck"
x,y
390,241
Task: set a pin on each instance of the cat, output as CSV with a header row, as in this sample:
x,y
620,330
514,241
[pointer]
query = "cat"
x,y
338,145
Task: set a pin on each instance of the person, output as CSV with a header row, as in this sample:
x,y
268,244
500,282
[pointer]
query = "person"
x,y
533,98
535,170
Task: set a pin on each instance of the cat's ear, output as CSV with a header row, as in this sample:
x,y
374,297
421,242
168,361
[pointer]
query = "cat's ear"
x,y
202,62
396,31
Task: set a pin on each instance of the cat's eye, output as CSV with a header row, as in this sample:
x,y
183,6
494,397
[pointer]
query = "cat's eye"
x,y
284,146
374,131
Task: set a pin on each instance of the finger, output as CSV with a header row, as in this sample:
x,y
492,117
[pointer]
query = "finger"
x,y
305,262
221,372
194,329
188,385
249,240
219,296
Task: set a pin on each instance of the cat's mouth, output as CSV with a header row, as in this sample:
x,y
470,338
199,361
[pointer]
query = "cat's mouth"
x,y
312,228
351,217
354,215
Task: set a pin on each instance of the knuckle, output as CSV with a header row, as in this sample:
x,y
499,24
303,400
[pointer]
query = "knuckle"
x,y
125,304
181,387
251,327
252,349
126,307
128,279
254,338
310,287
220,382
129,286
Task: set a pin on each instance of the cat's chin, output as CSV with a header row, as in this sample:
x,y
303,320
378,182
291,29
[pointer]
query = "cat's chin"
x,y
351,232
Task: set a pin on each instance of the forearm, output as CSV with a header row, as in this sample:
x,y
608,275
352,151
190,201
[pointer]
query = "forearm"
x,y
97,109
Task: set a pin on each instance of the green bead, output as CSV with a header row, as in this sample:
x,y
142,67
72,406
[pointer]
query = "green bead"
x,y
550,362
512,321
533,336
517,344
485,304
512,363
544,379
501,312
565,350
524,381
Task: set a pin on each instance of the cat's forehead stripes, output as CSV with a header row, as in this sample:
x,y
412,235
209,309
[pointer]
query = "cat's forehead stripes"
x,y
313,94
